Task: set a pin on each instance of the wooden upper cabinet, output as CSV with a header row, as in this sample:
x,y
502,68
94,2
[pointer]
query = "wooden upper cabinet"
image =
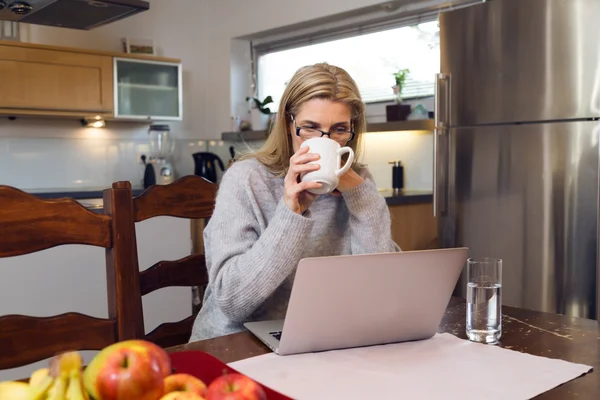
x,y
37,80
42,80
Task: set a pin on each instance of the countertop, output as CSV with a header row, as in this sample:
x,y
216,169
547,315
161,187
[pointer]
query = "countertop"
x,y
406,197
75,193
91,198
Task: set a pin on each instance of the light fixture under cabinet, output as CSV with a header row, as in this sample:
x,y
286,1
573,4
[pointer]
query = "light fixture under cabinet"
x,y
94,122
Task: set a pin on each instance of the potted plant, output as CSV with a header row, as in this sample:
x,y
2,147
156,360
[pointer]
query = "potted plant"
x,y
261,114
398,111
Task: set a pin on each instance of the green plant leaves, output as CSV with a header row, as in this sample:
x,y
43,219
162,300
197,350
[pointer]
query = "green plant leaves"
x,y
262,105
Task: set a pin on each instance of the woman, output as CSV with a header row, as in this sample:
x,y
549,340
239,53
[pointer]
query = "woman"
x,y
265,221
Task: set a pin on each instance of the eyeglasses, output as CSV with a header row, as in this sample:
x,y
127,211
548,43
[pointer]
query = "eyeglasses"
x,y
340,135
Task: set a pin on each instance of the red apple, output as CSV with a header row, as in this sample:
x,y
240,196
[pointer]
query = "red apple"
x,y
234,387
184,383
132,369
182,396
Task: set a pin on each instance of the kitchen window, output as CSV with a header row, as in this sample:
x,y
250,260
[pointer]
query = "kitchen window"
x,y
370,58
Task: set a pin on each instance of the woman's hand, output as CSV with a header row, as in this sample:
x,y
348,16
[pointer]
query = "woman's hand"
x,y
295,195
348,181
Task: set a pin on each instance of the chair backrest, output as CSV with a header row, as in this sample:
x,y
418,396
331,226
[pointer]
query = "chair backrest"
x,y
191,197
30,224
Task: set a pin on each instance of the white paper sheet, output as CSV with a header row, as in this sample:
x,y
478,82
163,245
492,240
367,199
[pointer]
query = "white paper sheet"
x,y
443,367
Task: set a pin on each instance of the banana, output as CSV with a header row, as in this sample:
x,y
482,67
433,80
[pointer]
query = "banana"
x,y
40,384
65,362
75,390
38,376
59,389
14,390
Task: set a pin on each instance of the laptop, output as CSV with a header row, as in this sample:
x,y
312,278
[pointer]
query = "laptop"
x,y
361,300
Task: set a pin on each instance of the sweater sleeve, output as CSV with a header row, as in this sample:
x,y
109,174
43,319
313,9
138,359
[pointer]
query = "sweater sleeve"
x,y
370,222
247,260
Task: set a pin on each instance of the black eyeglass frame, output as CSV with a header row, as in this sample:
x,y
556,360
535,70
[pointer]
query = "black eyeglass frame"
x,y
323,133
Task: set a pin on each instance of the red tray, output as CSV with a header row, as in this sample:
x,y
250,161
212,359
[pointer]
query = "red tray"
x,y
207,368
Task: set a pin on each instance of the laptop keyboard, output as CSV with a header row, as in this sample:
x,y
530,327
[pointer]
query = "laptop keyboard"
x,y
276,334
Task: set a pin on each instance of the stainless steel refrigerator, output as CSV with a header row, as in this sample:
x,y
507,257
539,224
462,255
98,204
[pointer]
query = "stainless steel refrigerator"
x,y
516,147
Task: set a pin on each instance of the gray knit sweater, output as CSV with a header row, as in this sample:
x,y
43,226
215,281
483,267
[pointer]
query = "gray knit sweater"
x,y
254,242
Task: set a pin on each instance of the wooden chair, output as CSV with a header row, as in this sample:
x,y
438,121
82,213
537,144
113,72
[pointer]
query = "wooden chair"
x,y
190,197
30,224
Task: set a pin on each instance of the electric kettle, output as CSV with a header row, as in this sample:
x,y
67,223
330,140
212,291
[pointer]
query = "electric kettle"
x,y
205,165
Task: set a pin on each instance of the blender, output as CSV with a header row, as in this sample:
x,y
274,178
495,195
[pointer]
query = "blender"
x,y
159,170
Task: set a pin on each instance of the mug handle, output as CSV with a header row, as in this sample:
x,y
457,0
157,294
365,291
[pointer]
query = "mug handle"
x,y
348,164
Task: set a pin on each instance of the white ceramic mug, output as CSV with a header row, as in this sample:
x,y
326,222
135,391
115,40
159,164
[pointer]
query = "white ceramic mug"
x,y
331,160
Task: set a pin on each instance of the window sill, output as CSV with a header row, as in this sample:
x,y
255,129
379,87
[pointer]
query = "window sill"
x,y
392,126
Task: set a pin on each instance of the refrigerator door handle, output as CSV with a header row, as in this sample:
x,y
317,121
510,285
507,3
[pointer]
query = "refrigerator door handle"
x,y
441,124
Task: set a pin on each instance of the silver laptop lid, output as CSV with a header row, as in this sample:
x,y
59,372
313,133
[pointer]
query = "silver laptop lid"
x,y
360,300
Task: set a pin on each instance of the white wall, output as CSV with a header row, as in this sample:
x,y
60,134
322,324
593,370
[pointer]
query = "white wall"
x,y
200,32
54,155
216,78
233,19
178,32
51,153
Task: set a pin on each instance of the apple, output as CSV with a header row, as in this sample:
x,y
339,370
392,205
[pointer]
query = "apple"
x,y
234,386
131,369
182,396
184,383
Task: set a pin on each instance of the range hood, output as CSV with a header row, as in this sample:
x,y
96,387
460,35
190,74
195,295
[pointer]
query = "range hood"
x,y
74,14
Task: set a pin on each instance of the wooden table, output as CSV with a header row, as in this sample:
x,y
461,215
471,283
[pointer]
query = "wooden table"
x,y
548,335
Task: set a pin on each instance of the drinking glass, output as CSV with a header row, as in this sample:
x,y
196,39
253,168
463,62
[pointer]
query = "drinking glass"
x,y
484,300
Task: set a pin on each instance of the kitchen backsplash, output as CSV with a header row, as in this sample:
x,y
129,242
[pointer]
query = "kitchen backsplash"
x,y
81,163
92,158
414,149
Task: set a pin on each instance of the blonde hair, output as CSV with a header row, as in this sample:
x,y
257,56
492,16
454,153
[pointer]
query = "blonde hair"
x,y
323,81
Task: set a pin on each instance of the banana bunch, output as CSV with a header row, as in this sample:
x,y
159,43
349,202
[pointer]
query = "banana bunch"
x,y
10,390
61,381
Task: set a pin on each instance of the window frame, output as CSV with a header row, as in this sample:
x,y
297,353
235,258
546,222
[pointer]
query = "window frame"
x,y
325,31
261,50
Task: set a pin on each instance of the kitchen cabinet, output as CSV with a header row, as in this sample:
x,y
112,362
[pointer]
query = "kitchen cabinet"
x,y
147,89
41,80
38,80
414,227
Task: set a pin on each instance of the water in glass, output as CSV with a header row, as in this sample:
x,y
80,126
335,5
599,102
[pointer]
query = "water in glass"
x,y
484,315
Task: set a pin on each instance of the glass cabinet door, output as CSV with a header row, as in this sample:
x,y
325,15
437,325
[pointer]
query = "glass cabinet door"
x,y
147,90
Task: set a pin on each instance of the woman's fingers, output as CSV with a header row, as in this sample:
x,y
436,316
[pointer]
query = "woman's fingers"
x,y
302,186
299,163
296,196
304,158
301,150
304,168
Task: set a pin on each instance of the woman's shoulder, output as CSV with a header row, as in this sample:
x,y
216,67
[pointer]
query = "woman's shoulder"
x,y
245,172
246,182
247,167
